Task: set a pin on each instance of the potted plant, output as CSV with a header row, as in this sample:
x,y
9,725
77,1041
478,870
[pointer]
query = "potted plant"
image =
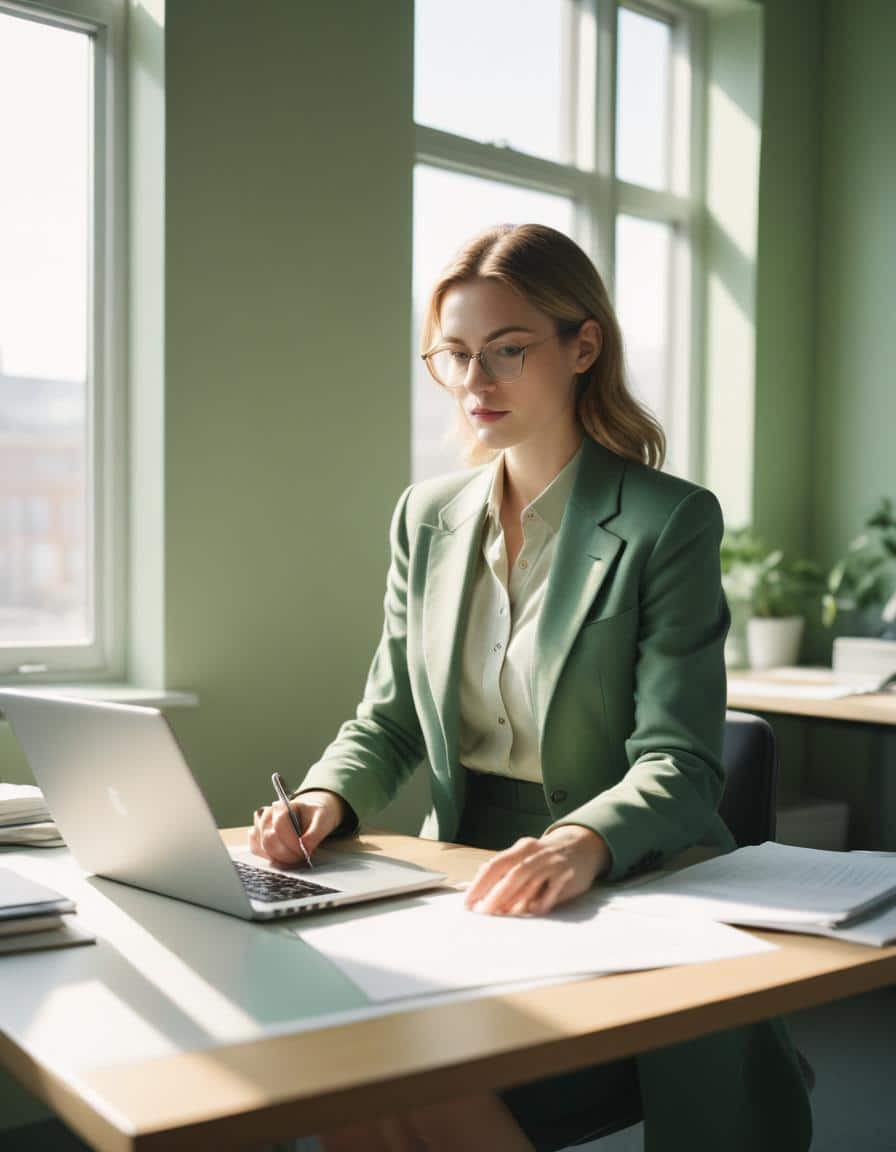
x,y
866,576
776,592
864,583
781,592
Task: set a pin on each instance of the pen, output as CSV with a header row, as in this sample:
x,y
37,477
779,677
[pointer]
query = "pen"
x,y
277,781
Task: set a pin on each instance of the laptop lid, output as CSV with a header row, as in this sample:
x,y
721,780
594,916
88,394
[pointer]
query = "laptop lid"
x,y
118,786
125,801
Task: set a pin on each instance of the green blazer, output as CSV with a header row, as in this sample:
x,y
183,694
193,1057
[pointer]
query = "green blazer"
x,y
628,678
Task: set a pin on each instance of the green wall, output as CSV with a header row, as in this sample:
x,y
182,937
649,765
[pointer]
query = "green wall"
x,y
826,341
287,415
855,337
781,480
853,462
826,295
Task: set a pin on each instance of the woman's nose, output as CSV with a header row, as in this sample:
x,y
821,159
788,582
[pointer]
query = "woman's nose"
x,y
477,377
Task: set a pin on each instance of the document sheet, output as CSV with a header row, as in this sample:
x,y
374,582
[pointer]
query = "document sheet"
x,y
21,804
431,943
21,896
877,928
773,885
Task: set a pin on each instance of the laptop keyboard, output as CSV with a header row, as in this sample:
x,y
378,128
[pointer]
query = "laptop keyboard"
x,y
271,887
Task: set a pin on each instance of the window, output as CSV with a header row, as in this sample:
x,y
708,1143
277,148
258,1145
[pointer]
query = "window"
x,y
578,114
644,128
61,372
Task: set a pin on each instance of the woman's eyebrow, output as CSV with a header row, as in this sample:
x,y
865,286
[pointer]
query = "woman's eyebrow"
x,y
491,335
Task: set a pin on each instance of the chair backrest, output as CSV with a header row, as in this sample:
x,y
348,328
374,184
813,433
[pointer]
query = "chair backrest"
x,y
751,766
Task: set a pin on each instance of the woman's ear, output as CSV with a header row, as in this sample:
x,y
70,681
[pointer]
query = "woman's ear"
x,y
589,339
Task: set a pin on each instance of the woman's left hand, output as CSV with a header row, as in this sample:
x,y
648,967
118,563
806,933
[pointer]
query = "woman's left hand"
x,y
533,876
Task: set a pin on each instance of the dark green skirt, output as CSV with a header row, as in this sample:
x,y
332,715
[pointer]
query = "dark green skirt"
x,y
741,1089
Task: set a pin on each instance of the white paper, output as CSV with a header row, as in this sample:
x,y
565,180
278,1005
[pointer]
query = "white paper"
x,y
770,885
43,834
21,803
836,691
431,943
876,929
19,894
71,932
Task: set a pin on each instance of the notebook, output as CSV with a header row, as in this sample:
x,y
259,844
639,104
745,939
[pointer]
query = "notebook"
x,y
780,886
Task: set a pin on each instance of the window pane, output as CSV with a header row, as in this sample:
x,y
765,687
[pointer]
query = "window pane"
x,y
449,209
643,124
492,71
643,266
44,230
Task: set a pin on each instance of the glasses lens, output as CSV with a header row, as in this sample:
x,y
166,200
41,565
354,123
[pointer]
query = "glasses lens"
x,y
450,367
503,361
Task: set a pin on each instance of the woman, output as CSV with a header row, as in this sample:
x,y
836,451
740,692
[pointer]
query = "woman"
x,y
553,644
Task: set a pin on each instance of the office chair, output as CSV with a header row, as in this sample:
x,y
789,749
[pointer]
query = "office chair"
x,y
748,808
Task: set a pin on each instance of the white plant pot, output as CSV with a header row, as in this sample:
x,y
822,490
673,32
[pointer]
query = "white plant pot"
x,y
774,642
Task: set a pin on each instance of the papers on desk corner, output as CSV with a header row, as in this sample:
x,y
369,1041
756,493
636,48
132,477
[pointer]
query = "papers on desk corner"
x,y
844,895
68,933
42,834
430,943
22,804
34,917
25,818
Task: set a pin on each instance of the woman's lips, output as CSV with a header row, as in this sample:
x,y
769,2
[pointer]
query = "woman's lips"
x,y
488,416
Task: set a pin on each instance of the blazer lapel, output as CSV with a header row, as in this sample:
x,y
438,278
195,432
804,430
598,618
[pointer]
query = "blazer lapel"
x,y
584,553
452,552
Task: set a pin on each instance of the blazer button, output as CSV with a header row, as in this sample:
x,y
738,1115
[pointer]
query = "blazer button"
x,y
558,795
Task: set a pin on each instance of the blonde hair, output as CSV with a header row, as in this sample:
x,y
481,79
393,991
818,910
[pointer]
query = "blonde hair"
x,y
554,274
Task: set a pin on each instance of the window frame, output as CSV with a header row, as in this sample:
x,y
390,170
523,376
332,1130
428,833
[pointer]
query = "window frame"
x,y
106,433
599,196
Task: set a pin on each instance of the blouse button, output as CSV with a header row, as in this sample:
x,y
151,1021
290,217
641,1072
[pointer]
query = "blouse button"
x,y
500,719
558,796
524,563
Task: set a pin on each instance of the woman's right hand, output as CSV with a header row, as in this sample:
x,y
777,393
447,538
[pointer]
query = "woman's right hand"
x,y
273,836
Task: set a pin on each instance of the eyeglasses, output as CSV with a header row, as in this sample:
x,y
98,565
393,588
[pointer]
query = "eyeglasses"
x,y
500,360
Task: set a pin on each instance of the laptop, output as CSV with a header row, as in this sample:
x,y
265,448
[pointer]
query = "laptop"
x,y
118,786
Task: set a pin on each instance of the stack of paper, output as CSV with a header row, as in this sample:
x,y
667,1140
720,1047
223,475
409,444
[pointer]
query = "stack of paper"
x,y
31,916
25,818
849,896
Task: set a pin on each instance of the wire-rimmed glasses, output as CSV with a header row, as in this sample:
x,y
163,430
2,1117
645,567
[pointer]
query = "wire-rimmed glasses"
x,y
502,360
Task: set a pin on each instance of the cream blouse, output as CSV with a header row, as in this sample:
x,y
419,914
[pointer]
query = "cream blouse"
x,y
498,732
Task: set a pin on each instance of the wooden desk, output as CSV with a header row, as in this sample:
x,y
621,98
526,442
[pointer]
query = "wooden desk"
x,y
878,708
225,1095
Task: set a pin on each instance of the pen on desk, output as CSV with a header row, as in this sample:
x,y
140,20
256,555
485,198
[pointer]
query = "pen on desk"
x,y
277,781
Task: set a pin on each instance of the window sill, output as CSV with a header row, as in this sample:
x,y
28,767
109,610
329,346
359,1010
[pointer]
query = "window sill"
x,y
116,693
